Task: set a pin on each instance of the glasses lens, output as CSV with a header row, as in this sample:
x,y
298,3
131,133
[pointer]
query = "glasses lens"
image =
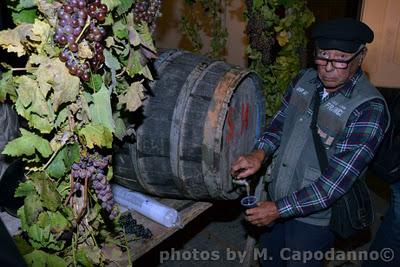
x,y
336,64
321,62
339,65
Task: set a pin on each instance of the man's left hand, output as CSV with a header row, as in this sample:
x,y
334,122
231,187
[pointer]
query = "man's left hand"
x,y
265,213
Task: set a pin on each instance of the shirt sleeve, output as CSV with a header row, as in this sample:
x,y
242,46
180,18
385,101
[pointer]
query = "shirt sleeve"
x,y
355,149
271,138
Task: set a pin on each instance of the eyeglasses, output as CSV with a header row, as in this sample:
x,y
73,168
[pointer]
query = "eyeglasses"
x,y
336,63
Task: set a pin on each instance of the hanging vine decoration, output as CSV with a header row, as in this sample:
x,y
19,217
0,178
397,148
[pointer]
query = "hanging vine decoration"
x,y
86,66
206,16
276,31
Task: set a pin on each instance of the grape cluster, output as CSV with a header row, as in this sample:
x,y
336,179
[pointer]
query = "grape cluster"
x,y
78,23
93,167
147,11
132,227
259,40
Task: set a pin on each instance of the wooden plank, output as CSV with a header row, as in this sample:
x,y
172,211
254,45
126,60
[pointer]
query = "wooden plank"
x,y
188,210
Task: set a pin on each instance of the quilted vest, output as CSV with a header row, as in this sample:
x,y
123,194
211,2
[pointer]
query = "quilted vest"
x,y
295,163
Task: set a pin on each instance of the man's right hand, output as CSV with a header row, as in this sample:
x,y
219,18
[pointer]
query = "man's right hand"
x,y
248,164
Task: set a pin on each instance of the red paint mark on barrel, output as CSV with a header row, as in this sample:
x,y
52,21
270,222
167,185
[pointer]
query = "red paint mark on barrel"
x,y
231,125
245,117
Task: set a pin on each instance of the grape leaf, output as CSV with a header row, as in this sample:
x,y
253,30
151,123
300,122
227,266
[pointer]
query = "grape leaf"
x,y
24,189
32,208
109,41
23,4
82,258
41,123
133,97
49,196
147,73
31,105
30,95
93,253
83,111
49,10
40,258
24,16
63,160
40,33
12,39
22,217
124,6
58,223
95,82
7,87
120,128
27,144
134,38
61,117
111,4
96,134
42,238
134,66
111,61
120,30
145,36
53,73
100,110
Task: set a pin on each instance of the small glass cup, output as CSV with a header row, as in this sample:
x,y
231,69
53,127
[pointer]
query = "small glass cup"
x,y
249,202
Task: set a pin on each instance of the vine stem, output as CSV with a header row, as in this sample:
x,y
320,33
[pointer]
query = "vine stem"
x,y
52,157
73,249
127,249
22,69
84,29
48,162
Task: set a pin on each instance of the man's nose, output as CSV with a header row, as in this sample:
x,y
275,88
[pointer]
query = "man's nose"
x,y
329,66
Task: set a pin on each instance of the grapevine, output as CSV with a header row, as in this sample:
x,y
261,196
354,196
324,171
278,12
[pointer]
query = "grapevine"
x,y
213,26
85,70
276,32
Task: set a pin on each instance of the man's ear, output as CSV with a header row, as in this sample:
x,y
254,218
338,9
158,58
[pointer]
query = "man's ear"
x,y
363,54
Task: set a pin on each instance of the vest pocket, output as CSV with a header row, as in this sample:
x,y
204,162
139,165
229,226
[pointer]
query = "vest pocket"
x,y
311,174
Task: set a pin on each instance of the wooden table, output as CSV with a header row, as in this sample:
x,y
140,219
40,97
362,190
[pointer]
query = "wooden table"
x,y
188,210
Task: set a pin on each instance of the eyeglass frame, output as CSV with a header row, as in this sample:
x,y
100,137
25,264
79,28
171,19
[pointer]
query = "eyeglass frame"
x,y
334,61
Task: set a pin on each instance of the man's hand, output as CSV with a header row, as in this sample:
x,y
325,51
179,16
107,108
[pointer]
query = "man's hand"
x,y
265,213
248,164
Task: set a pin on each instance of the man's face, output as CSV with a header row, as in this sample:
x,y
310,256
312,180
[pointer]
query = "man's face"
x,y
338,68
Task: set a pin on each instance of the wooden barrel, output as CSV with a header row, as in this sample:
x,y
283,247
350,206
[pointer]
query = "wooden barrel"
x,y
200,116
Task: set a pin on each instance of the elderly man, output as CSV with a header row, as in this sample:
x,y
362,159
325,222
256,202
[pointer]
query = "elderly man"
x,y
352,119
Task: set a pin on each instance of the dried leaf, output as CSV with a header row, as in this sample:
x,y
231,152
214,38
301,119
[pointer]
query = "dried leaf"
x,y
40,33
52,73
13,40
133,97
84,50
7,87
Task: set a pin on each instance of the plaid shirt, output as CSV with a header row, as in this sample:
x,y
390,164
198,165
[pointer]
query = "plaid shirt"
x,y
355,148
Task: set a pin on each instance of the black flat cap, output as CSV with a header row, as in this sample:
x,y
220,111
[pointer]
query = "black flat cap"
x,y
344,34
